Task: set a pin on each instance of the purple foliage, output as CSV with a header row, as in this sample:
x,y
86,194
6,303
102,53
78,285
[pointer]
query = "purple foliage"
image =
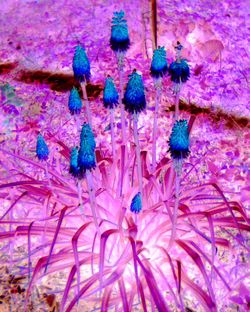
x,y
106,256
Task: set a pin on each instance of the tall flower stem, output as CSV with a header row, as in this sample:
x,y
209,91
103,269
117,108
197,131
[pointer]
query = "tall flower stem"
x,y
112,119
169,186
136,220
138,156
120,58
178,169
78,124
79,190
122,171
85,97
92,199
157,102
177,90
179,150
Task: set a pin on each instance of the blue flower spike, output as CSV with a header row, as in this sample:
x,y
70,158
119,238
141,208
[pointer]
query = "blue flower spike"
x,y
42,151
87,136
179,140
86,159
159,65
81,65
74,168
75,102
86,156
179,70
134,96
110,94
136,204
119,40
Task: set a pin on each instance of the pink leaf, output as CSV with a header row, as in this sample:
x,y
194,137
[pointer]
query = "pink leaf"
x,y
56,234
135,262
123,295
106,298
103,242
74,245
144,305
206,300
69,282
197,259
153,288
237,300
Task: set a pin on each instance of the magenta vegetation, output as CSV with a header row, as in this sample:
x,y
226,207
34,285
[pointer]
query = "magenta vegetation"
x,y
95,210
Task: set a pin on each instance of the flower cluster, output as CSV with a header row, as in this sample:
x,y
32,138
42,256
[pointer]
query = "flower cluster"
x,y
179,71
86,156
75,102
159,65
179,140
42,151
83,159
110,94
74,168
136,204
119,40
81,65
134,97
86,159
87,137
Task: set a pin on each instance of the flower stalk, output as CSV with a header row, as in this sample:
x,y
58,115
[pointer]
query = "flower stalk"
x,y
86,101
112,121
87,162
179,150
158,69
138,154
110,101
120,42
135,102
179,72
81,68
